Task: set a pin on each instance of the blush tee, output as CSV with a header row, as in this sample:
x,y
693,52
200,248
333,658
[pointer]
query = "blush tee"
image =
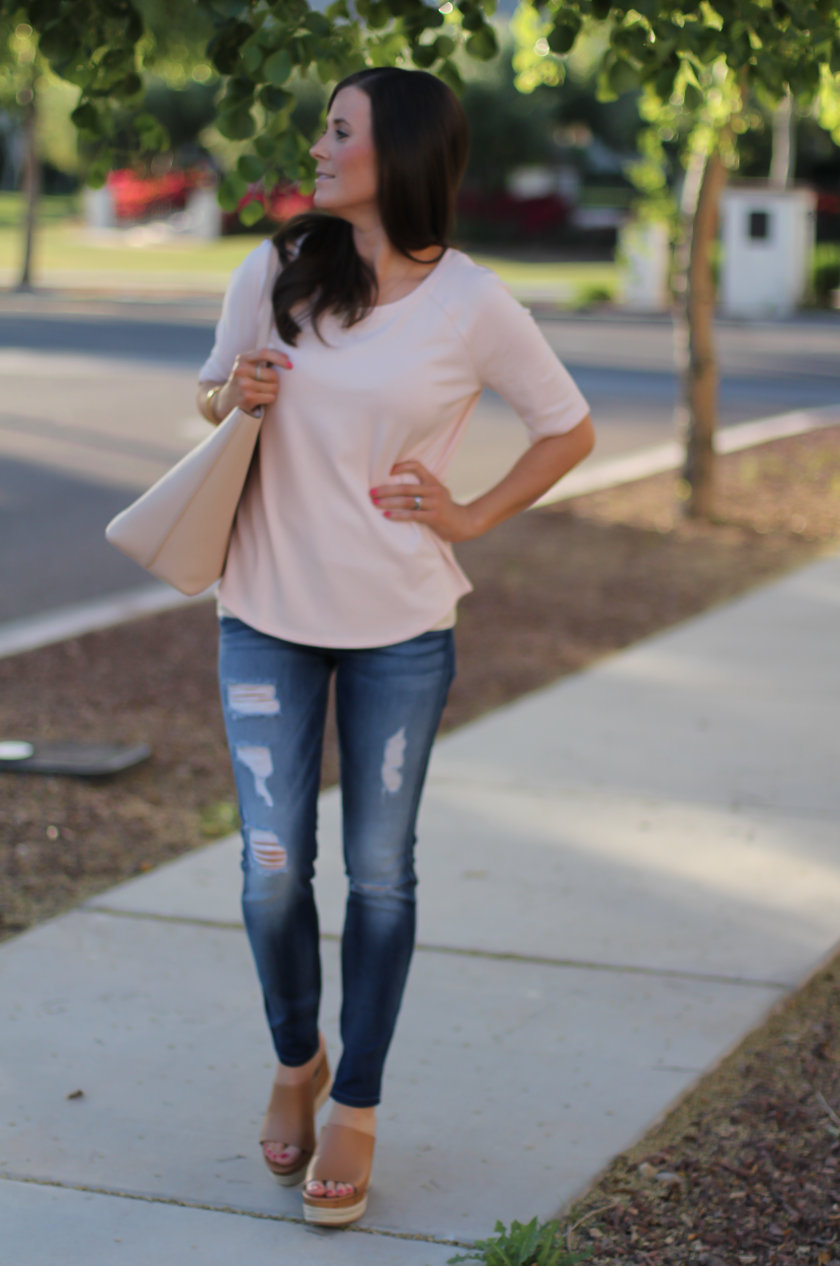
x,y
311,559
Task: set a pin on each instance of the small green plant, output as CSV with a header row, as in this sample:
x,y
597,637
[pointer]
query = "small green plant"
x,y
590,295
825,272
537,1244
219,818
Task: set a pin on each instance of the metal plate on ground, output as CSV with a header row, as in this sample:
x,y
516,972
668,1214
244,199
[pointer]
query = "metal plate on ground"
x,y
85,760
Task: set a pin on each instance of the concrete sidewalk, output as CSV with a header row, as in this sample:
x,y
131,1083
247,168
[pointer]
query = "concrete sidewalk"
x,y
619,876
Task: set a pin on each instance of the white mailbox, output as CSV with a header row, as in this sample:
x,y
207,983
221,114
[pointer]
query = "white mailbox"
x,y
768,239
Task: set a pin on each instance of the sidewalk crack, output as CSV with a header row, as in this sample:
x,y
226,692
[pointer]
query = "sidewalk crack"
x,y
182,1203
501,956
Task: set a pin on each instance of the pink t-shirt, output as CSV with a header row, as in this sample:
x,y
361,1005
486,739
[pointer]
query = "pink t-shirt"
x,y
311,559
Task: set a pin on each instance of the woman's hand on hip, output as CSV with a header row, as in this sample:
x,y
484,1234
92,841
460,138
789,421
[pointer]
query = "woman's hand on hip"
x,y
427,501
253,381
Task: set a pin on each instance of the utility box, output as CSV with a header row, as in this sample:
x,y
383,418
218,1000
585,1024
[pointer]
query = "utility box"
x,y
644,254
98,208
204,213
768,241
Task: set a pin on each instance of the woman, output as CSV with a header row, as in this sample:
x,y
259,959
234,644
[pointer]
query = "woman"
x,y
341,560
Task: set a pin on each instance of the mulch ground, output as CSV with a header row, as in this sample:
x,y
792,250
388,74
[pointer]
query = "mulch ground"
x,y
744,1171
555,590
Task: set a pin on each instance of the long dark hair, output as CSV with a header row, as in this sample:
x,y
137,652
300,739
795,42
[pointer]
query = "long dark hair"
x,y
421,139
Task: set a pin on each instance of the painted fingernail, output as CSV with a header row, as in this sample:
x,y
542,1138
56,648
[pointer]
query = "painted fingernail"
x,y
387,514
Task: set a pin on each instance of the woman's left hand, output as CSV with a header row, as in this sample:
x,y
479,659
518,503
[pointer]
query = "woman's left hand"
x,y
428,501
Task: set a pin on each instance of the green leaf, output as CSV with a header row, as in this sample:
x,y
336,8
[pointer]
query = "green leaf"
x,y
239,91
252,56
98,173
87,118
252,213
236,124
444,46
451,76
57,44
231,191
317,24
561,38
534,1244
483,45
378,16
116,59
278,67
473,20
270,37
250,168
622,77
275,99
693,97
223,49
664,82
265,146
129,87
287,150
424,55
229,8
328,72
153,134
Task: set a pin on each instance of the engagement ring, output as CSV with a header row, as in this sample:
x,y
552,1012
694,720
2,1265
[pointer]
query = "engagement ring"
x,y
418,503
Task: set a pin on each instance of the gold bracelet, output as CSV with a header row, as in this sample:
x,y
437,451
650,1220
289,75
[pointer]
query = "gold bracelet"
x,y
208,402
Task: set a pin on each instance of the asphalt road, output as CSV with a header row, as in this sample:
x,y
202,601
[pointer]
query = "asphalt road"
x,y
98,401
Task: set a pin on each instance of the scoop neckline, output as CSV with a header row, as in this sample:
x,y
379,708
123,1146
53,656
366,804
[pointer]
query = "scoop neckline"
x,y
389,307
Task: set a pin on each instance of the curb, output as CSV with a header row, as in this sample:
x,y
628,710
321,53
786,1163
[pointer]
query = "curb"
x,y
19,636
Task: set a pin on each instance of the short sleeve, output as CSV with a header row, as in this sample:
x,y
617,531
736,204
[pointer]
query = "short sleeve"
x,y
238,327
512,357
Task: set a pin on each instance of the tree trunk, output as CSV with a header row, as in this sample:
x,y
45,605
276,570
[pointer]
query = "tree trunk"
x,y
783,161
32,189
694,329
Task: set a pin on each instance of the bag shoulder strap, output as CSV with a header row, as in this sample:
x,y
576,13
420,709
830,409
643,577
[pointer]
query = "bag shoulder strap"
x,y
266,317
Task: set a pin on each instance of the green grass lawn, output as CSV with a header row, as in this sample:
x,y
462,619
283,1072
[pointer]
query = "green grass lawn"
x,y
66,254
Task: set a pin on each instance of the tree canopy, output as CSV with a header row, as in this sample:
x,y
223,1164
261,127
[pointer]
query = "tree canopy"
x,y
103,47
677,52
666,45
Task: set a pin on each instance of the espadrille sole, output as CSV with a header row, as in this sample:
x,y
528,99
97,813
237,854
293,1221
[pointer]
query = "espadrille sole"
x,y
320,1213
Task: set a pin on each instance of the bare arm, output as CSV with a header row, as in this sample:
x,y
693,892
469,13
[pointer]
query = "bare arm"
x,y
539,469
252,382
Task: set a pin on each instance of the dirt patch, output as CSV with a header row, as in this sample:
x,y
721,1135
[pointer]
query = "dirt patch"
x,y
746,1170
556,589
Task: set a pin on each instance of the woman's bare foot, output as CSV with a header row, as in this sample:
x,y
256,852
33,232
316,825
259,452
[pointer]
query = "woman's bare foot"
x,y
361,1119
279,1152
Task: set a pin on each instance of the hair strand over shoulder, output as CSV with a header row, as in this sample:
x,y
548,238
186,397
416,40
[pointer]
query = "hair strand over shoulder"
x,y
421,140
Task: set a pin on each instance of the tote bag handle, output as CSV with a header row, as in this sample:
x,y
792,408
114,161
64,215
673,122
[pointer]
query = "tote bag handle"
x,y
180,529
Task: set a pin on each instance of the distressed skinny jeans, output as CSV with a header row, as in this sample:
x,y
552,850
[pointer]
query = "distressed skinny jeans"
x,y
388,701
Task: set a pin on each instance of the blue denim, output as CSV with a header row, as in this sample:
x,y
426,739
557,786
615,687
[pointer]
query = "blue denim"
x,y
389,700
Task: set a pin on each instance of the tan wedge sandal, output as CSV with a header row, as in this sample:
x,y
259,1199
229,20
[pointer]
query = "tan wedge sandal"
x,y
343,1155
290,1119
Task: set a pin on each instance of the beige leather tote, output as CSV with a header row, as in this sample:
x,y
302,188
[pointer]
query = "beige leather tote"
x,y
180,529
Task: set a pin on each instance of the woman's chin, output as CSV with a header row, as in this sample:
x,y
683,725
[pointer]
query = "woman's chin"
x,y
321,198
